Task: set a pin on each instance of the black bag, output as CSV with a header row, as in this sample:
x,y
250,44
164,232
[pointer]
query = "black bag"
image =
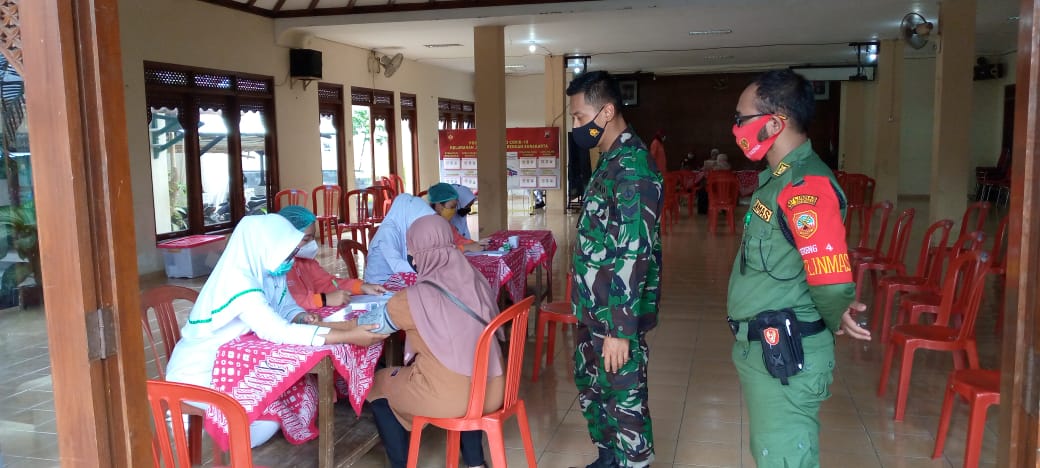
x,y
781,337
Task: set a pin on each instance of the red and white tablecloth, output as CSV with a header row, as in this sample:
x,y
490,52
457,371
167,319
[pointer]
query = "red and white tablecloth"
x,y
271,381
499,270
748,181
540,246
503,271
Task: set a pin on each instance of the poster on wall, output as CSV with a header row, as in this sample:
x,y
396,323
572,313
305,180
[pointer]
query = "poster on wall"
x,y
532,157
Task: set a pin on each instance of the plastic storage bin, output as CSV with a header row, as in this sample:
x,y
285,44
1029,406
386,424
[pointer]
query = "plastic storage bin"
x,y
192,256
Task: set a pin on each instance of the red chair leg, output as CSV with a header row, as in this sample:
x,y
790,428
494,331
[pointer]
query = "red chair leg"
x,y
452,449
539,336
496,444
550,350
903,387
976,428
858,272
944,420
729,219
525,434
886,367
195,439
413,443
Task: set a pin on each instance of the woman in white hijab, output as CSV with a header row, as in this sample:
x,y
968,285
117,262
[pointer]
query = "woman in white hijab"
x,y
247,292
388,252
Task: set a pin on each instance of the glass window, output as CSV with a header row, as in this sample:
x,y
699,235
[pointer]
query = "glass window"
x,y
169,173
363,170
408,155
252,130
382,147
214,166
329,148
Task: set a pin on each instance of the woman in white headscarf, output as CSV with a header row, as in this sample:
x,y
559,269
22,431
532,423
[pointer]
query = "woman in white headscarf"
x,y
247,292
388,252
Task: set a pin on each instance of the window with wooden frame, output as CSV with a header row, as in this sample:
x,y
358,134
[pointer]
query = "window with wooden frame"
x,y
333,137
372,119
455,115
213,148
409,143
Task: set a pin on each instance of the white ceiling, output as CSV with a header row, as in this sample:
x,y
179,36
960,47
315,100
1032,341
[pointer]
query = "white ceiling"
x,y
653,36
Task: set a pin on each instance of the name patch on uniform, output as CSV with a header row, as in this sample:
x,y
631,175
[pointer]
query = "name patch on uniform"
x,y
762,211
827,265
781,169
805,223
802,200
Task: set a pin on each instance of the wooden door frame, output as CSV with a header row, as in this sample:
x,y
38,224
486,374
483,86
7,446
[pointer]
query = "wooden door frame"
x,y
74,95
1020,369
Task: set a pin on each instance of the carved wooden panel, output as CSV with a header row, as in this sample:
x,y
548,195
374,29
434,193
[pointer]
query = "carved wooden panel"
x,y
10,34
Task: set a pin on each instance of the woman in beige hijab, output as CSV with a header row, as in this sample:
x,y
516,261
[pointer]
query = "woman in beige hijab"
x,y
441,343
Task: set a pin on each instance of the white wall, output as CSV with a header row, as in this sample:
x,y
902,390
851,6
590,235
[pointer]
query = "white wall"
x,y
204,35
525,101
987,119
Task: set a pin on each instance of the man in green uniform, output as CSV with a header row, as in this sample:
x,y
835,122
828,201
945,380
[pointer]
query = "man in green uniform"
x,y
792,258
617,274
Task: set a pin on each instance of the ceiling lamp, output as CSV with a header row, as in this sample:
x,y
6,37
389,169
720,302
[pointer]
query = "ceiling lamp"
x,y
577,63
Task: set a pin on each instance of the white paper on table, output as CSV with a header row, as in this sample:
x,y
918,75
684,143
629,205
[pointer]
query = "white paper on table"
x,y
493,253
337,316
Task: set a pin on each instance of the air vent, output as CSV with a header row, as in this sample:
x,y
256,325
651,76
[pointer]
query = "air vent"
x,y
438,46
710,32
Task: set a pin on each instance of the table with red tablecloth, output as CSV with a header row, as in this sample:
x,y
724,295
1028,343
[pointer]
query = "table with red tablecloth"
x,y
271,381
748,181
501,271
541,248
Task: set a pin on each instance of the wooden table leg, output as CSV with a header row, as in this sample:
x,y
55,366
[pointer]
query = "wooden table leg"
x,y
326,428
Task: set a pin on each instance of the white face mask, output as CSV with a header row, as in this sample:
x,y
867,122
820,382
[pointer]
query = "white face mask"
x,y
309,250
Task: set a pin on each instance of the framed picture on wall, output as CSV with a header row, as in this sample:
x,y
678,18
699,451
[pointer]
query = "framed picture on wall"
x,y
821,90
629,92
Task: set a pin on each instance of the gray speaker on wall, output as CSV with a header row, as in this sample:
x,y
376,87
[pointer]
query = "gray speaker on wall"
x,y
305,64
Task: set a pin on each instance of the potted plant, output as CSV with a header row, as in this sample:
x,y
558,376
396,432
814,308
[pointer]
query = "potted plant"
x,y
18,228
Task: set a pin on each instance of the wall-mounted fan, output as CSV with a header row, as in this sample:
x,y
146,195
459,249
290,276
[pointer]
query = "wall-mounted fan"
x,y
389,64
915,30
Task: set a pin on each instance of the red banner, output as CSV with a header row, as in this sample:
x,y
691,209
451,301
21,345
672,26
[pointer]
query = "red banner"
x,y
532,157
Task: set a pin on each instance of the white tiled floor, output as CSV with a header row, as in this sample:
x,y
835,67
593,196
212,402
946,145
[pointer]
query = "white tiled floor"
x,y
695,397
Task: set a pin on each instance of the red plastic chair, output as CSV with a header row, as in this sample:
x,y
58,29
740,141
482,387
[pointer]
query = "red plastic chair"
x,y
356,220
549,315
475,419
396,183
867,247
974,218
349,250
999,268
170,397
894,259
723,191
328,213
962,292
913,306
382,198
926,276
292,197
687,188
981,388
670,210
857,202
160,299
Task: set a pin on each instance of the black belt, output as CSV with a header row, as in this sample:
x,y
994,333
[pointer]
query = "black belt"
x,y
806,328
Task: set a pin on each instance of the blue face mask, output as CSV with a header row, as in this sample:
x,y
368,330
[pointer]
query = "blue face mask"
x,y
282,269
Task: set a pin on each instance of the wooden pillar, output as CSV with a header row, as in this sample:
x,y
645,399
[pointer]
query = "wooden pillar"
x,y
1020,364
490,62
888,96
555,116
854,134
951,136
81,173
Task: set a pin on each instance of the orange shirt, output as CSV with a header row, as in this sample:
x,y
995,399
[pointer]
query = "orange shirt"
x,y
308,281
657,151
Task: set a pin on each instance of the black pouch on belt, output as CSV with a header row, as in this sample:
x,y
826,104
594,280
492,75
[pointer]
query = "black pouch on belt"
x,y
781,342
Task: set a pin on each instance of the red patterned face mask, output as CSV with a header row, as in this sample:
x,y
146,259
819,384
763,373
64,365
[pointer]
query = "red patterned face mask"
x,y
747,137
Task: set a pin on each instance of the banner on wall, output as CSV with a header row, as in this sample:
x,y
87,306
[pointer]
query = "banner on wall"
x,y
532,157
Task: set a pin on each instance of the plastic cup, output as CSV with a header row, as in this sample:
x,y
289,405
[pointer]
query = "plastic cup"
x,y
514,242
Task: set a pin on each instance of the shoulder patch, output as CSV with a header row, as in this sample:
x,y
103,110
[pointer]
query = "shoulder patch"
x,y
762,211
781,169
802,200
805,223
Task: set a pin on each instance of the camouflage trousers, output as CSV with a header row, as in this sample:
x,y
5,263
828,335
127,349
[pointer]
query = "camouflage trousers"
x,y
614,404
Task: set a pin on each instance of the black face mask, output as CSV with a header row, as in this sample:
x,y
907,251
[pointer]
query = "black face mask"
x,y
411,263
463,211
587,136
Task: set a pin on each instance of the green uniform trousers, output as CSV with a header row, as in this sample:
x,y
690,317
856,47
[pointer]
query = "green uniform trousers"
x,y
614,404
785,425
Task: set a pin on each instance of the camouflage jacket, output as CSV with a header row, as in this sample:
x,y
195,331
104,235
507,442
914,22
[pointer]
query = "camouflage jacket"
x,y
617,256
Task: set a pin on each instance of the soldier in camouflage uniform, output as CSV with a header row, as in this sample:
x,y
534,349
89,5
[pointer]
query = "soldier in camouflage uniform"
x,y
792,256
617,274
